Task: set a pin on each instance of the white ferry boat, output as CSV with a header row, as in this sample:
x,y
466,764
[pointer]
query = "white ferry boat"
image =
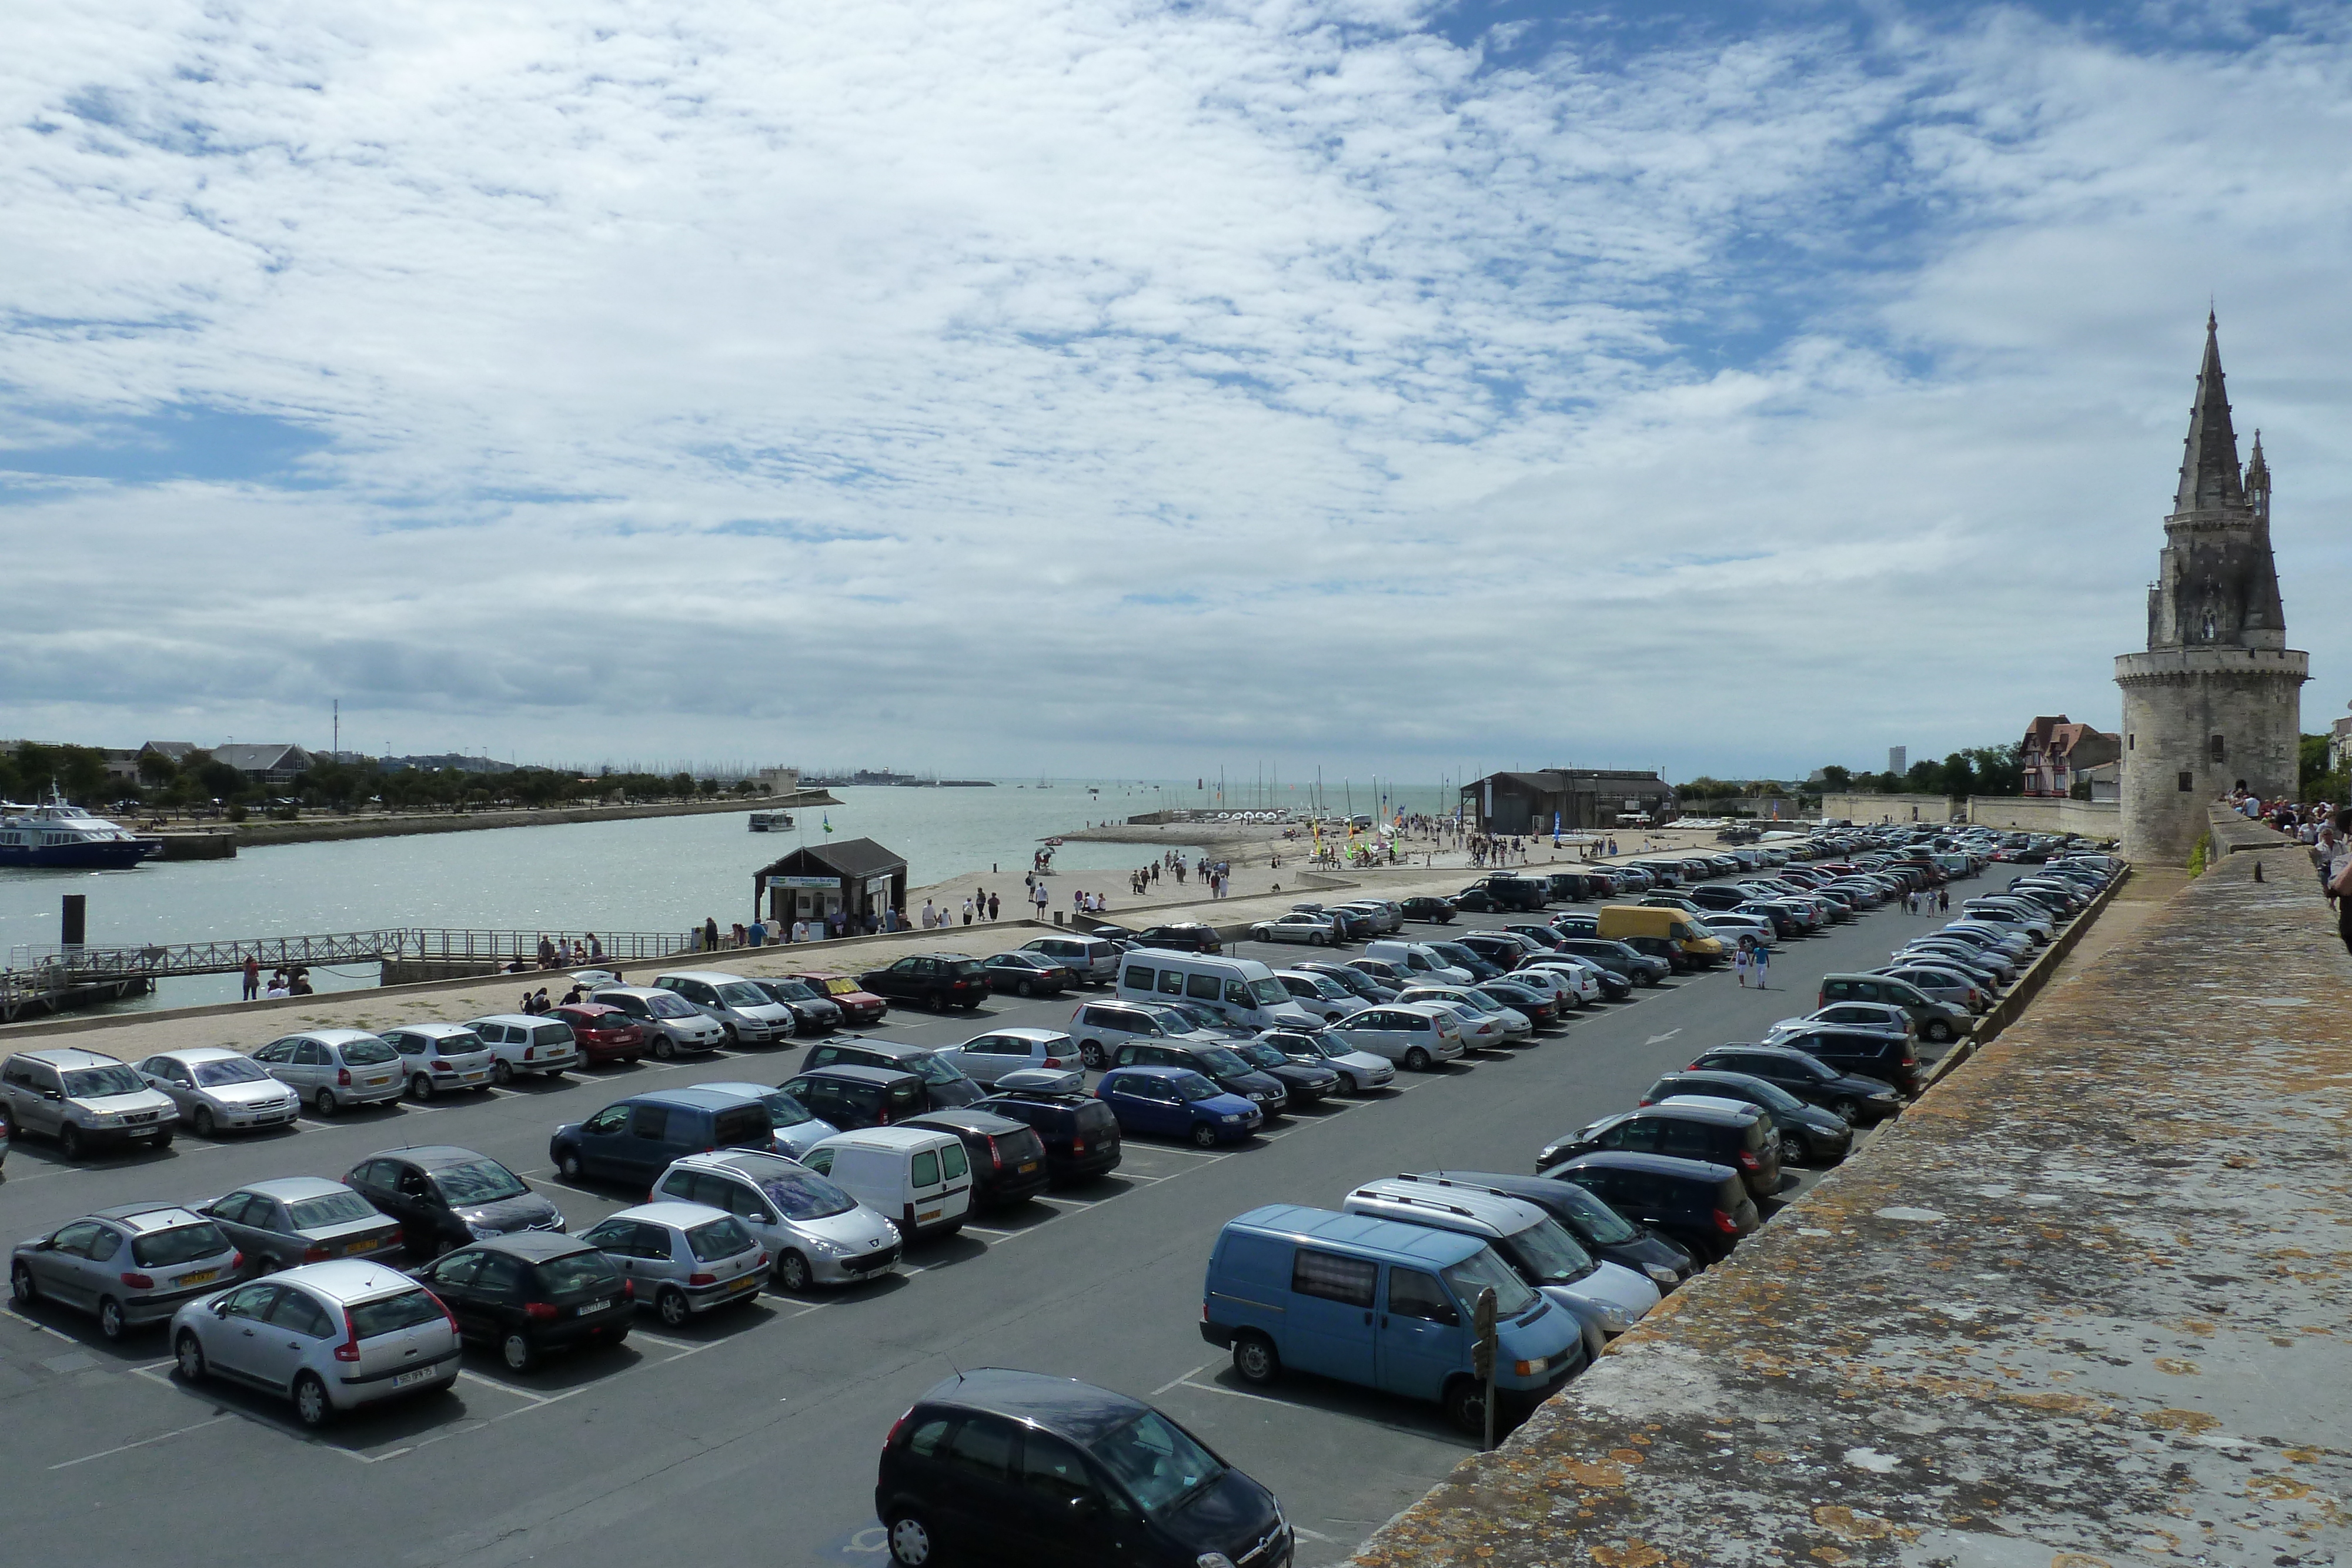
x,y
54,835
771,822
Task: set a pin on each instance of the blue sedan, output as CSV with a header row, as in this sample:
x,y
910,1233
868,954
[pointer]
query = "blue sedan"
x,y
1176,1102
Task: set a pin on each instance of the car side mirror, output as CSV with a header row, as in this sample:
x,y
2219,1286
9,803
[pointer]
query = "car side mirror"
x,y
761,1218
53,1093
1086,1505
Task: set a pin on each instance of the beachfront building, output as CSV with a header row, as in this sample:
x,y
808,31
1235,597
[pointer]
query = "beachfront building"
x,y
1520,803
856,877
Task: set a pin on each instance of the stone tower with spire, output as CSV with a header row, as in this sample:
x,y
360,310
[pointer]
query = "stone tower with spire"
x,y
2217,695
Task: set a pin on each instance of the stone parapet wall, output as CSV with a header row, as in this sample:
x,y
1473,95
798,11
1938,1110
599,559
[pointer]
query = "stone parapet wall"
x,y
2047,814
2085,1303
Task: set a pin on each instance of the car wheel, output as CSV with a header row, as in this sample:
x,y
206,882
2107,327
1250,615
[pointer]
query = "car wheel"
x,y
1417,1059
1940,1031
672,1307
70,1141
311,1407
163,1139
1023,987
516,1352
421,1087
324,1101
202,1122
1849,1108
1204,1134
190,1356
1465,1405
567,1165
21,1288
1256,1360
1320,940
1796,1148
500,1070
911,1545
1091,1053
664,1046
111,1321
792,1273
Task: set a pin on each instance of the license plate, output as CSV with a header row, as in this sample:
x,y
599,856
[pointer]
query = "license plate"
x,y
927,1213
364,1244
596,1306
377,1083
471,1076
201,1277
410,1379
748,1282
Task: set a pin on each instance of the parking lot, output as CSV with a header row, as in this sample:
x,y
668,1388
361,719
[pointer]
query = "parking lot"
x,y
751,1435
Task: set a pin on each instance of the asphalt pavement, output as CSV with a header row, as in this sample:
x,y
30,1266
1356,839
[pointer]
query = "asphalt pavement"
x,y
751,1435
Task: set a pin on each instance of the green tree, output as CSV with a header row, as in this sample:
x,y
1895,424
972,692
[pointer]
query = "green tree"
x,y
1836,777
2311,754
158,769
220,781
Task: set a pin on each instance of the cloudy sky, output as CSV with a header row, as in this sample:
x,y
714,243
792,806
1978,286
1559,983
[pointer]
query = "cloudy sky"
x,y
1107,387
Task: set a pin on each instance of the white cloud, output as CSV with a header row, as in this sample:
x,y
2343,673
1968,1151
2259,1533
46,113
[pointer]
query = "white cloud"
x,y
1118,387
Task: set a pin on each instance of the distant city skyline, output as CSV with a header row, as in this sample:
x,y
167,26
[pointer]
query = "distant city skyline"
x,y
1733,390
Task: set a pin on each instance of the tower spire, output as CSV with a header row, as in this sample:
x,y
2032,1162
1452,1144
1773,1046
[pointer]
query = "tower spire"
x,y
2208,458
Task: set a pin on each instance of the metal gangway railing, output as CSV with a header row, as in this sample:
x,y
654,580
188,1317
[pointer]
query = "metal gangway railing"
x,y
54,968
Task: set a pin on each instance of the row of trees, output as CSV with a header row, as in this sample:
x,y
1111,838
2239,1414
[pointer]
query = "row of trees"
x,y
1979,770
200,780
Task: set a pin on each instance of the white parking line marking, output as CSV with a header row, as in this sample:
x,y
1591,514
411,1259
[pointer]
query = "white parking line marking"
x,y
1066,1202
1176,1379
503,1387
657,1339
142,1443
53,1333
984,1230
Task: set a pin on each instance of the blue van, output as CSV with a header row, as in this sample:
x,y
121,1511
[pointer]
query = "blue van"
x,y
1381,1303
636,1139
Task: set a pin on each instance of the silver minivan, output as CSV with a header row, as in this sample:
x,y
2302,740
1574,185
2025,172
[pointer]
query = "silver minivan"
x,y
683,1258
82,1099
749,1015
817,1233
673,1024
1090,960
335,1067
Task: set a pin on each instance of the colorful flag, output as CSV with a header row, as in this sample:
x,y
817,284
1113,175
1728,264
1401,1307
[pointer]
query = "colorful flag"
x,y
828,821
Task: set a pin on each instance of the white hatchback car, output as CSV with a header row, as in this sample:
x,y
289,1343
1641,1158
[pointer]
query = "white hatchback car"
x,y
521,1042
438,1056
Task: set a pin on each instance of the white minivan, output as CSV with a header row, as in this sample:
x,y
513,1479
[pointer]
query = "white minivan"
x,y
1242,989
1418,958
917,1177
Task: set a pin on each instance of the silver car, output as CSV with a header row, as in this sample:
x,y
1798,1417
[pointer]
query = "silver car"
x,y
129,1265
328,1336
216,1088
335,1067
672,1023
817,1234
293,1220
438,1056
683,1258
1315,930
82,1099
1321,995
748,1014
1359,1069
526,1042
987,1058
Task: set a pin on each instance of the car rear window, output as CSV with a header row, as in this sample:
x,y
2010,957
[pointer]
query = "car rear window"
x,y
588,1270
331,1208
390,1314
953,1163
967,969
180,1244
551,1034
743,1127
1097,1117
716,1238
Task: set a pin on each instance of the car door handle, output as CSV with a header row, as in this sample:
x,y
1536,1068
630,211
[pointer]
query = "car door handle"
x,y
1367,1319
249,1334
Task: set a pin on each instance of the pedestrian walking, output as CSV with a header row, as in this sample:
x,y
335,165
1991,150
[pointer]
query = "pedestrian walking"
x,y
252,979
711,934
1763,956
1739,960
1944,900
993,905
966,911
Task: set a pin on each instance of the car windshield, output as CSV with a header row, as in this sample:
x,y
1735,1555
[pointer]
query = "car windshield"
x,y
805,1195
229,1070
367,1051
1219,1059
1260,1054
1483,1269
1193,1086
716,1238
743,994
97,1082
1603,1224
1325,986
787,990
934,1069
840,986
1483,999
1158,1464
1269,992
180,1244
329,1209
667,1004
1325,1046
390,1314
589,1271
1549,1254
484,1181
783,1111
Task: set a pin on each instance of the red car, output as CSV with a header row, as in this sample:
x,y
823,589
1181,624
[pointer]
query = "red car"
x,y
605,1034
859,1006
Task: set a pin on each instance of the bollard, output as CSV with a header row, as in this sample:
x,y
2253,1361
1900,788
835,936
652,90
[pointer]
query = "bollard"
x,y
1057,917
77,919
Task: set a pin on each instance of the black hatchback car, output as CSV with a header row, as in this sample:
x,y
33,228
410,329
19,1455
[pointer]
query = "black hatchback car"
x,y
1080,1132
938,980
944,1083
530,1294
1604,1232
445,1197
1808,1133
1436,911
1184,936
1863,1052
1704,1207
1048,1472
1008,1158
1219,1064
1853,1098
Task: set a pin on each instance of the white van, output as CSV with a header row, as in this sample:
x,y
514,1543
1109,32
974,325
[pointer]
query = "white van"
x,y
918,1178
1418,958
1243,989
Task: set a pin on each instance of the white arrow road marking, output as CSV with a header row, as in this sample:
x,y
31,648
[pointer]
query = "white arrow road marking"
x,y
1662,1039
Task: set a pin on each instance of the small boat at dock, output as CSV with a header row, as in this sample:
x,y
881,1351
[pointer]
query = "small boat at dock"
x,y
771,822
55,835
